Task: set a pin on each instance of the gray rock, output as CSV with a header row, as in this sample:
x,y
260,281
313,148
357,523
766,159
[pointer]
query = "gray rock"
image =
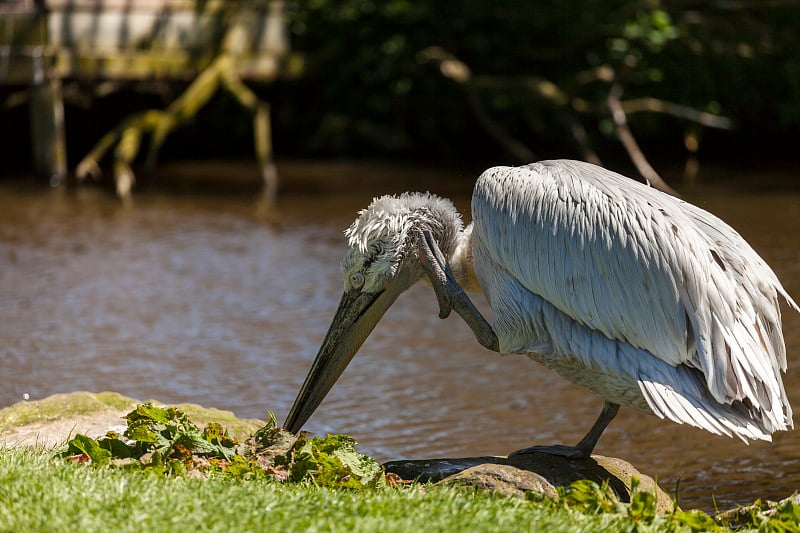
x,y
540,473
504,479
52,421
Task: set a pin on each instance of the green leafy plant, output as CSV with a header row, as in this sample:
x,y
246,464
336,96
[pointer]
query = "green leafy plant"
x,y
163,440
589,497
781,516
83,448
333,461
642,507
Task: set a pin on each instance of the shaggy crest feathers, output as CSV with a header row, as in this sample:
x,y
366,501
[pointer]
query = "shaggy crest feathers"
x,y
381,238
389,219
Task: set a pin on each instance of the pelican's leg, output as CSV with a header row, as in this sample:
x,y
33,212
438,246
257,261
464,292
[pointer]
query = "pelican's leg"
x,y
450,294
583,450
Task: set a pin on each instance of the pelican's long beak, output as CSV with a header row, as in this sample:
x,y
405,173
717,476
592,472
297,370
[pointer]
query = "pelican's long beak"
x,y
356,317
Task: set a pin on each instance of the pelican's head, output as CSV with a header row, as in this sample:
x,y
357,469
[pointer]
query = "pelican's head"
x,y
381,263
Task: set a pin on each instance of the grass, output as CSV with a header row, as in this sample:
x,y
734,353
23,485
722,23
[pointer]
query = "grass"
x,y
42,493
166,474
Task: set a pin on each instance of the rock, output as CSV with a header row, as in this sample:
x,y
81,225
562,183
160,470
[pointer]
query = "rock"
x,y
52,421
535,472
504,479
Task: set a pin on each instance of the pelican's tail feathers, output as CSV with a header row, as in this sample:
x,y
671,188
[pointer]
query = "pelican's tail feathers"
x,y
685,400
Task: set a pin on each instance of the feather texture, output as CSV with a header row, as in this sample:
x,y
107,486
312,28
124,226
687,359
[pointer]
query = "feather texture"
x,y
643,298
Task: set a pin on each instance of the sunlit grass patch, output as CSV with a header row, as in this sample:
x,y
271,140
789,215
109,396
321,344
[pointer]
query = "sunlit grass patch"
x,y
165,474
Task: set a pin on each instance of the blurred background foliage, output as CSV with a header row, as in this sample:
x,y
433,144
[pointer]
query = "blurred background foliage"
x,y
499,81
370,86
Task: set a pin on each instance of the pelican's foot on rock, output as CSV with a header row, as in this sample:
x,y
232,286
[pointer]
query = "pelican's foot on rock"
x,y
570,452
583,450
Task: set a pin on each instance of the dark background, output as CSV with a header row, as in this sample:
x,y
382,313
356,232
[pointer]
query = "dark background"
x,y
367,87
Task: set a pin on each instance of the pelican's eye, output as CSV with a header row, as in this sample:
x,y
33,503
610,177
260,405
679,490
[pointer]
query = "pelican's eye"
x,y
357,280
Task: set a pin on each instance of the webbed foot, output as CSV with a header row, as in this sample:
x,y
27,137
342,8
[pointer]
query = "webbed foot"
x,y
585,447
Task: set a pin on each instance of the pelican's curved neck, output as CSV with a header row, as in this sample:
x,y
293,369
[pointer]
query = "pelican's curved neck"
x,y
461,262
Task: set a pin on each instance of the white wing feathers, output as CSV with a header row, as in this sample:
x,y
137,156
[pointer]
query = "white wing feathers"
x,y
649,270
687,404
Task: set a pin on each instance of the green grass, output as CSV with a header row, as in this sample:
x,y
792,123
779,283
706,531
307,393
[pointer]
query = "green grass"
x,y
42,493
166,474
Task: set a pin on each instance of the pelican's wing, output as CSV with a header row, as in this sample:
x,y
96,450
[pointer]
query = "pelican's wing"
x,y
641,267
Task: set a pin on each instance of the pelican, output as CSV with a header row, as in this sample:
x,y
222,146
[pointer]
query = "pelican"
x,y
644,299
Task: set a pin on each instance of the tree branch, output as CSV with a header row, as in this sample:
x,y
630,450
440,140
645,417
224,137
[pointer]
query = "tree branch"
x,y
654,105
628,141
456,70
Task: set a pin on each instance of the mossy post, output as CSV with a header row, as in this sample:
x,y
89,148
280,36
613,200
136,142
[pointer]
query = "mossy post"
x,y
47,123
220,73
127,135
210,44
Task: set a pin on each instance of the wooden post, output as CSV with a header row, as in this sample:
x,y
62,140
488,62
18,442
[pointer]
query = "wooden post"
x,y
47,124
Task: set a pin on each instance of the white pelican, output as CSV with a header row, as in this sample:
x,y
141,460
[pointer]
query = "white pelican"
x,y
635,295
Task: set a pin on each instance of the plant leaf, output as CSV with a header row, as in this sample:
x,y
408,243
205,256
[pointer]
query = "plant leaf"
x,y
83,444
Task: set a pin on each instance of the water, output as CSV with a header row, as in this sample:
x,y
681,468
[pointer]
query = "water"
x,y
203,298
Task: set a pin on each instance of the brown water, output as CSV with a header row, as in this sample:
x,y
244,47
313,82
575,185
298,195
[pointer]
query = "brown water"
x,y
200,298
